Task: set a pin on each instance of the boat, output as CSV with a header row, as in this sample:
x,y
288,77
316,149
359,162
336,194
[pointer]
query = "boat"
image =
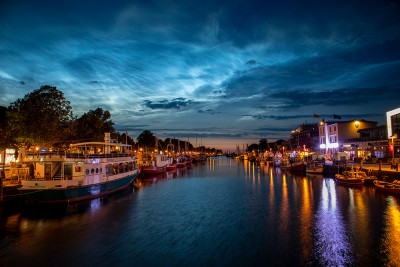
x,y
293,165
85,171
314,168
347,179
171,166
181,162
155,164
393,188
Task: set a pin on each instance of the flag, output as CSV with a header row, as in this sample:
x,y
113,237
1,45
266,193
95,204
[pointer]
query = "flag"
x,y
316,116
337,117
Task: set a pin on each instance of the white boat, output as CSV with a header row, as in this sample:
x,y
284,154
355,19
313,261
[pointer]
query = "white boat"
x,y
156,164
85,171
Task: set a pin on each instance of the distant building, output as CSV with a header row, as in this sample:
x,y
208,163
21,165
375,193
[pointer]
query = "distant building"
x,y
305,136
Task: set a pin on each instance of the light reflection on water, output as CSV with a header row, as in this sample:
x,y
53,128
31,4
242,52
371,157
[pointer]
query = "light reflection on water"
x,y
391,237
332,242
223,212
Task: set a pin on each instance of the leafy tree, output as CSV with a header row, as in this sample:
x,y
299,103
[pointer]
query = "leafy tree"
x,y
252,147
263,144
146,139
92,125
41,116
6,140
123,138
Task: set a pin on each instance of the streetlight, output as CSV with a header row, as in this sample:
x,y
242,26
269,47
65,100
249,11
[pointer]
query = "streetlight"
x,y
357,124
393,137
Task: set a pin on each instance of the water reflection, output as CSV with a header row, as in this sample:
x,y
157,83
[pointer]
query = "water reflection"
x,y
391,238
332,246
306,212
223,213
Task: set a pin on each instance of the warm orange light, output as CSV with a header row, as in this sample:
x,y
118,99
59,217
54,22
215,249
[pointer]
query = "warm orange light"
x,y
357,124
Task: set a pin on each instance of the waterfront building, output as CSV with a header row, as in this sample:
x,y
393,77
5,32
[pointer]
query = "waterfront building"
x,y
371,145
393,132
305,136
334,134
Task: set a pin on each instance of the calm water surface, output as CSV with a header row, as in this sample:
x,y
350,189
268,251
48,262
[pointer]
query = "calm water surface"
x,y
223,212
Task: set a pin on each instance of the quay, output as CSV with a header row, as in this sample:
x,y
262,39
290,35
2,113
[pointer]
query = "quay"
x,y
381,171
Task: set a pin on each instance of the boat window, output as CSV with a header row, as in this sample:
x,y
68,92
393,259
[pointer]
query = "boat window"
x,y
68,171
126,166
121,168
109,169
97,170
87,171
101,170
92,171
130,164
115,168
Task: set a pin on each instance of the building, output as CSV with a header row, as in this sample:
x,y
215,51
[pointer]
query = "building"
x,y
305,136
393,132
334,134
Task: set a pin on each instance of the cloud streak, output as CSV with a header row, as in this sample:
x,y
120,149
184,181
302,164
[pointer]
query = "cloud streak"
x,y
191,64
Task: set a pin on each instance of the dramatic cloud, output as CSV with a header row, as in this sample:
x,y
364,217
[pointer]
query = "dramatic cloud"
x,y
216,69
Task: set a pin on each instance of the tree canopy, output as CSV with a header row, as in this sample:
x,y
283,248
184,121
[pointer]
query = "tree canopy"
x,y
146,140
41,116
92,125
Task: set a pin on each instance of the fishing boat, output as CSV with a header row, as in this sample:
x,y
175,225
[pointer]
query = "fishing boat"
x,y
349,178
172,165
393,188
181,162
314,168
85,171
156,164
291,164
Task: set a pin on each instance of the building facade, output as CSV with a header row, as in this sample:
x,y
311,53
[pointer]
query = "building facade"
x,y
393,132
334,134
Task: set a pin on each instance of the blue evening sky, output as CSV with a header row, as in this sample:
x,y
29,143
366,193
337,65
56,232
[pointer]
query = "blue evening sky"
x,y
226,72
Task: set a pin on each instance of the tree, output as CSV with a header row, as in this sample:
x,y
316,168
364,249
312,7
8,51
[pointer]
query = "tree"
x,y
6,140
146,139
263,144
253,147
41,116
92,125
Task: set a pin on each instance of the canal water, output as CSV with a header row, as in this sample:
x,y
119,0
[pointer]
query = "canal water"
x,y
223,212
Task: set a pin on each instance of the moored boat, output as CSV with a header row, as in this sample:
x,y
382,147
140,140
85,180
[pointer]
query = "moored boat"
x,y
298,166
172,165
156,164
86,171
393,188
350,181
181,162
314,168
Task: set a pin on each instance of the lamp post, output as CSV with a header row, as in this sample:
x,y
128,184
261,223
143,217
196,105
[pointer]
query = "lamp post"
x,y
393,137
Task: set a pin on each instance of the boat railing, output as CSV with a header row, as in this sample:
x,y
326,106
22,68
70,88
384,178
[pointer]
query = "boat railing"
x,y
78,155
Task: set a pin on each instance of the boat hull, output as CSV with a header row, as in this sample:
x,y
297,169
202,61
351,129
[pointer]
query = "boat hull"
x,y
319,170
340,179
387,187
150,170
76,193
296,167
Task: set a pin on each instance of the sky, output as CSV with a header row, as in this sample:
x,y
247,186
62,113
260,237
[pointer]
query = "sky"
x,y
217,73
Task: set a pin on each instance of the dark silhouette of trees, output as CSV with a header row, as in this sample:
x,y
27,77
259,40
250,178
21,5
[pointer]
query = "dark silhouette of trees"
x,y
92,125
146,140
42,116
